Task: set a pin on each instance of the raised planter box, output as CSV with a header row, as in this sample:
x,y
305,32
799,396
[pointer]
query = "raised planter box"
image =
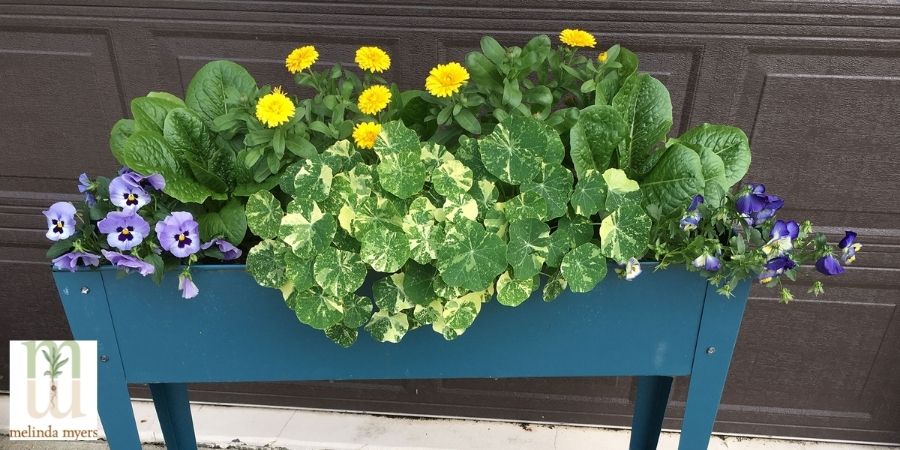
x,y
664,324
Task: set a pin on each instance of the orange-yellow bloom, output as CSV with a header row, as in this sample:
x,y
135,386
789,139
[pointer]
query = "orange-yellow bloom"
x,y
301,59
446,79
374,99
365,134
274,108
577,38
372,59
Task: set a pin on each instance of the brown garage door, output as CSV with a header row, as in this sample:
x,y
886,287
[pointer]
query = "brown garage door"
x,y
815,83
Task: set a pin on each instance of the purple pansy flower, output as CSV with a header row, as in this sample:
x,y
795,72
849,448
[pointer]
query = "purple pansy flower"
x,y
756,206
775,267
781,238
632,269
829,265
692,218
178,234
124,230
707,262
186,286
126,195
70,260
849,247
60,221
128,262
155,180
85,186
229,251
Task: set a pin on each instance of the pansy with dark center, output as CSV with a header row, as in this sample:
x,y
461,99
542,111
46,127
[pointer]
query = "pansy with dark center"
x,y
86,187
756,206
707,262
775,267
127,195
228,250
781,238
155,180
60,221
128,262
849,247
69,261
178,234
124,230
829,265
692,218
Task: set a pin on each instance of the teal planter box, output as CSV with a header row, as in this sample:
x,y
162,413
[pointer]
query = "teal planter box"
x,y
664,324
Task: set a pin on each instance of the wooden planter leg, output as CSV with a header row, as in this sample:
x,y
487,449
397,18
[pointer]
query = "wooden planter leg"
x,y
174,412
719,328
649,409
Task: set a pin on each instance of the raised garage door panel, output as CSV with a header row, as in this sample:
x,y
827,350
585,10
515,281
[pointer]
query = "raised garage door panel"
x,y
814,84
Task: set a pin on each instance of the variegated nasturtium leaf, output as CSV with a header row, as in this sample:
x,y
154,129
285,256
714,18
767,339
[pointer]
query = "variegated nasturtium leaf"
x,y
338,272
526,205
286,178
625,233
512,291
298,271
570,233
486,194
555,152
400,169
315,309
432,154
375,213
674,180
427,314
343,241
444,290
390,295
458,206
341,156
357,310
422,231
729,143
452,177
416,280
313,180
342,335
554,184
386,327
514,150
529,244
459,313
467,152
584,267
471,257
306,228
620,189
595,137
589,196
265,263
495,222
384,249
263,214
556,284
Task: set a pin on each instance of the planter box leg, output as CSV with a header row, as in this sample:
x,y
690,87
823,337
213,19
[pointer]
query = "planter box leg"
x,y
719,328
174,412
114,407
649,409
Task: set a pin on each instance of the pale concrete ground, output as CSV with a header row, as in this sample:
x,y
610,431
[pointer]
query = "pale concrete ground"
x,y
243,427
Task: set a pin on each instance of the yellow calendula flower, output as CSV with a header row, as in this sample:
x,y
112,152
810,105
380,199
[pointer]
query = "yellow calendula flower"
x,y
602,57
577,38
373,59
365,134
301,58
274,109
374,99
446,79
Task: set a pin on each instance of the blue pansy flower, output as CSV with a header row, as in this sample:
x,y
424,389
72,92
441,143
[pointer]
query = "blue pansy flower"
x,y
228,250
829,265
127,195
155,180
124,230
707,262
70,260
775,267
849,247
179,234
186,285
60,221
781,238
129,262
86,187
756,206
692,218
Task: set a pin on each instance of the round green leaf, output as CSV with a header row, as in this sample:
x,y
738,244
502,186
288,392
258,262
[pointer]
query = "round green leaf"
x,y
338,272
386,327
554,184
514,150
570,233
556,284
298,271
458,207
313,180
390,295
263,214
452,178
342,335
400,169
265,263
589,196
485,193
625,233
675,179
526,205
306,228
423,232
385,250
729,143
620,189
471,257
357,310
315,309
416,280
529,244
512,292
584,267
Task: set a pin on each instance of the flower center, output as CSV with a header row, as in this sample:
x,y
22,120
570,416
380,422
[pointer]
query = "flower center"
x,y
58,225
183,239
125,233
131,198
